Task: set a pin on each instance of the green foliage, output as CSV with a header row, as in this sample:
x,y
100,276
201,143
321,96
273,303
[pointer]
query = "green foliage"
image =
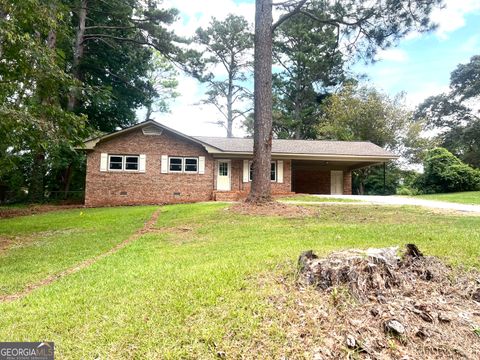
x,y
118,59
163,81
307,54
365,114
444,172
106,72
455,113
372,181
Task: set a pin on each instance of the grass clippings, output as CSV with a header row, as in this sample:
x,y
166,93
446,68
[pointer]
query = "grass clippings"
x,y
273,209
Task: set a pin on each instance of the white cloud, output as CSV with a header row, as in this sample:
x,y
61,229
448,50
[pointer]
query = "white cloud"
x,y
452,16
425,90
396,55
197,13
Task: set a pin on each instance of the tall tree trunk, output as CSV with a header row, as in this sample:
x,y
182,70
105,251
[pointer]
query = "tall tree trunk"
x,y
78,54
262,137
296,111
36,189
67,180
230,106
149,111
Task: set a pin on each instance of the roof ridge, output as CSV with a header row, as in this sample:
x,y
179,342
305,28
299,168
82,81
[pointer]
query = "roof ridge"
x,y
244,138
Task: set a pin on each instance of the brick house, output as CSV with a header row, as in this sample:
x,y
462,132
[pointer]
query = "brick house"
x,y
150,163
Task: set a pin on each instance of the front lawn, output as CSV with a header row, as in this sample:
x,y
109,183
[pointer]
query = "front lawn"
x,y
201,284
36,246
467,197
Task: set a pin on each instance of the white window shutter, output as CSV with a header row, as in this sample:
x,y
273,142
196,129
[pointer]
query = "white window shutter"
x,y
142,163
246,169
164,164
201,164
103,162
280,171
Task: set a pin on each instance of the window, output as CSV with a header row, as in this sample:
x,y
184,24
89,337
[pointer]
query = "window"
x,y
115,162
123,162
223,168
131,163
175,164
273,171
191,165
183,164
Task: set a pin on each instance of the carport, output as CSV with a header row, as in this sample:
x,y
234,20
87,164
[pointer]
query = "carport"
x,y
330,177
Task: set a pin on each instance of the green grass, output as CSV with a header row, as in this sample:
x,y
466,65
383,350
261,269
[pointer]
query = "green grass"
x,y
202,283
468,197
311,198
41,245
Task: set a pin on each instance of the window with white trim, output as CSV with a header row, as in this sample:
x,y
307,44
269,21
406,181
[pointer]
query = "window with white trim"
x,y
123,162
191,165
115,162
273,171
187,165
131,163
175,164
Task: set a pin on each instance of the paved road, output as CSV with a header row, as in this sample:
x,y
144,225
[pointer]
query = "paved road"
x,y
399,200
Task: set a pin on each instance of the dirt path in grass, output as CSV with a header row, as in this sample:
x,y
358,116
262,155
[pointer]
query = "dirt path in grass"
x,y
147,227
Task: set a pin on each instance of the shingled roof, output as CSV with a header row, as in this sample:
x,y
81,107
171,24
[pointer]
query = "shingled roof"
x,y
294,148
299,147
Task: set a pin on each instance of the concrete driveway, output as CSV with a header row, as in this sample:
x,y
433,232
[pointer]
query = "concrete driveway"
x,y
401,200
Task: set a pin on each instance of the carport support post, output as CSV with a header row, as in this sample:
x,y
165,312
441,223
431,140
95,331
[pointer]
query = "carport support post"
x,y
384,178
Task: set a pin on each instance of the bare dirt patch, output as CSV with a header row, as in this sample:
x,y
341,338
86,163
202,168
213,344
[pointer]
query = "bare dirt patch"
x,y
9,242
273,209
375,305
4,243
9,212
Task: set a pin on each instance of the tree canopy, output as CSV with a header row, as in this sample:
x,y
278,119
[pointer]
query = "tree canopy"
x,y
227,60
70,67
455,114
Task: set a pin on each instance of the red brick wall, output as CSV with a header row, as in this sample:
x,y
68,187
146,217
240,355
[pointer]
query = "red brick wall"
x,y
150,187
347,182
311,181
318,181
277,188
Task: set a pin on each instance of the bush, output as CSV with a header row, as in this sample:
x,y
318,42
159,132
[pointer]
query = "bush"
x,y
443,172
406,191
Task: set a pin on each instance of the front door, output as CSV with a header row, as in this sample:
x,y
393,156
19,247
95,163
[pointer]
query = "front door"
x,y
223,175
336,182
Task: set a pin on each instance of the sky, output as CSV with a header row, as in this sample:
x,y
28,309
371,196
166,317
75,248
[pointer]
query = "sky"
x,y
420,64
